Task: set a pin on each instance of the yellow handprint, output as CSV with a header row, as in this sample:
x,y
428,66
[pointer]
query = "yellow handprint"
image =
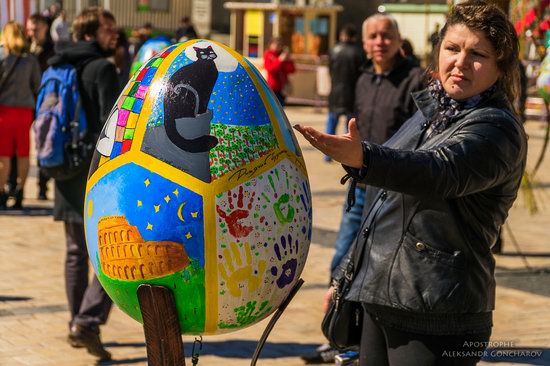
x,y
237,273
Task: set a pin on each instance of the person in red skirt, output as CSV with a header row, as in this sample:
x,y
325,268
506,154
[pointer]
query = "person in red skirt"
x,y
19,83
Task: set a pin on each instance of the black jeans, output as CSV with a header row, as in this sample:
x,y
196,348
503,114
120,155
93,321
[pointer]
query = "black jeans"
x,y
89,304
382,345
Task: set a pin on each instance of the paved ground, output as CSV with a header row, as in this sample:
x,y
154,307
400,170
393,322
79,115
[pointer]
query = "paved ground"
x,y
33,312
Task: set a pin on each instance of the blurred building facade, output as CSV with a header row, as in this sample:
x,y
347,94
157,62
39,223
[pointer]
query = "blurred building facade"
x,y
17,10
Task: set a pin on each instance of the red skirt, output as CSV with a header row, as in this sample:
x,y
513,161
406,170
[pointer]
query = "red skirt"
x,y
15,126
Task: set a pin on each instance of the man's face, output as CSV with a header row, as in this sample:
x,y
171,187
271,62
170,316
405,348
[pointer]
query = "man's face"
x,y
107,34
36,31
381,41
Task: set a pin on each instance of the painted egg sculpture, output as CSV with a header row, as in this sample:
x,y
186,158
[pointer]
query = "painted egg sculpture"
x,y
149,49
198,184
543,81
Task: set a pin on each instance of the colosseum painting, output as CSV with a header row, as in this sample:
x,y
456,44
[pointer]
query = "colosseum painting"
x,y
125,255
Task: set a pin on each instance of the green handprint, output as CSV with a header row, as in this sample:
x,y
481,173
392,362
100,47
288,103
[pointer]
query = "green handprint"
x,y
247,314
284,219
283,201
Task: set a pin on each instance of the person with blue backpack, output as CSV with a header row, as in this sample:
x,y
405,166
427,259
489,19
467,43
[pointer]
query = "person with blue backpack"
x,y
88,90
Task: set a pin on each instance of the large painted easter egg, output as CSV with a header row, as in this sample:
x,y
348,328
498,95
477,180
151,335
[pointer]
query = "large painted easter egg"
x,y
198,185
150,48
543,81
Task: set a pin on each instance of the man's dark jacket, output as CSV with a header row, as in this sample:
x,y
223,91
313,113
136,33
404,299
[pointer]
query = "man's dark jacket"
x,y
345,62
44,53
433,210
383,101
99,91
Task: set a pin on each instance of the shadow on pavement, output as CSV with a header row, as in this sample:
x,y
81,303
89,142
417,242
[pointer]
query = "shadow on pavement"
x,y
527,356
323,237
535,281
15,298
126,361
28,211
228,349
245,349
530,254
117,344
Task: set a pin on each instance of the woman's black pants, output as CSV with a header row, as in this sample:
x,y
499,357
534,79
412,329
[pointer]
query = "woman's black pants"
x,y
382,345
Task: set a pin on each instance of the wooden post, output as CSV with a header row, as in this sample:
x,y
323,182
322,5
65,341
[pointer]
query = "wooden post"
x,y
161,326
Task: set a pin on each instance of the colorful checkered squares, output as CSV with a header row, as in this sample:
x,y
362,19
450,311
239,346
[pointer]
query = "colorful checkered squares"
x,y
132,120
126,145
129,87
133,89
167,51
129,134
119,135
122,117
148,77
116,149
141,91
130,105
141,74
138,103
157,62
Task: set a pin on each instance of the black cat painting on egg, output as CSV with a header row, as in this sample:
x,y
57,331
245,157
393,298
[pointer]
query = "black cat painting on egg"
x,y
184,139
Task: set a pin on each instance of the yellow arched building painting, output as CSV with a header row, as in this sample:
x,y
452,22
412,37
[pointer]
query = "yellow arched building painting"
x,y
124,255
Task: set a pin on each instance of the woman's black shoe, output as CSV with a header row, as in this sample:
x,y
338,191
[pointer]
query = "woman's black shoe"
x,y
323,354
3,200
18,196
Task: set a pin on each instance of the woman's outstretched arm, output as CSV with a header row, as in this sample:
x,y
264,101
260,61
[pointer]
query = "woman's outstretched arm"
x,y
345,149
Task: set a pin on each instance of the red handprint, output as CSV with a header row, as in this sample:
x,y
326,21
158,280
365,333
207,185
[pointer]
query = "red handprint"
x,y
232,219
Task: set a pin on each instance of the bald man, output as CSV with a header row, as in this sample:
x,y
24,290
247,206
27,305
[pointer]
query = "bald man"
x,y
383,102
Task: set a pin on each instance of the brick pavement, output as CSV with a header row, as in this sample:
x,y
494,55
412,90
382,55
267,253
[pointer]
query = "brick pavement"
x,y
33,312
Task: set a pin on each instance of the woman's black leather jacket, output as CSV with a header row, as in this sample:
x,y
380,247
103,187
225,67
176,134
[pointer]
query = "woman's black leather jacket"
x,y
441,203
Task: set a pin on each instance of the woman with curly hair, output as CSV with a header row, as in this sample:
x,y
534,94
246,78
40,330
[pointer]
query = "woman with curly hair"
x,y
438,193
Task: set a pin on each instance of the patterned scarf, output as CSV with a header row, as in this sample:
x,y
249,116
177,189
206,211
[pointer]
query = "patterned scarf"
x,y
449,107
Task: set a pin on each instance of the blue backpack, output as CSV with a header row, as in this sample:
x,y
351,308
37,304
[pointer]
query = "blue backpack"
x,y
60,126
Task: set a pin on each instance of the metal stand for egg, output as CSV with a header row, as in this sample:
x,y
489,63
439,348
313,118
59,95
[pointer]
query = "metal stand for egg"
x,y
161,326
162,329
274,319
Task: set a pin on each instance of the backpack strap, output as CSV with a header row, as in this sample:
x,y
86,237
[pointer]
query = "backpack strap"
x,y
75,123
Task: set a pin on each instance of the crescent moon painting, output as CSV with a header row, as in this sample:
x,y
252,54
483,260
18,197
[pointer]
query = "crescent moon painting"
x,y
180,209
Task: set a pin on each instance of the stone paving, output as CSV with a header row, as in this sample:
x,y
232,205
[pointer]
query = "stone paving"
x,y
33,311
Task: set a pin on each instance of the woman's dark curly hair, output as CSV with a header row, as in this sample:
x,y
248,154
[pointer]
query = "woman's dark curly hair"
x,y
480,16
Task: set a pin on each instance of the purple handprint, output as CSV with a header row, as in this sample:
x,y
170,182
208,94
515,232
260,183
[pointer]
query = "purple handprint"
x,y
288,269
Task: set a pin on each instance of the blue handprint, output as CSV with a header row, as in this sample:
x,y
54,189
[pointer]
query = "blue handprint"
x,y
288,269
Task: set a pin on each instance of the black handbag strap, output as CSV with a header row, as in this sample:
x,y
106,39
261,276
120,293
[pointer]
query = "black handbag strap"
x,y
360,241
7,74
357,254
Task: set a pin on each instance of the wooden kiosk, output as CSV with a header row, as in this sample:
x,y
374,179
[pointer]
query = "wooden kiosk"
x,y
308,27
